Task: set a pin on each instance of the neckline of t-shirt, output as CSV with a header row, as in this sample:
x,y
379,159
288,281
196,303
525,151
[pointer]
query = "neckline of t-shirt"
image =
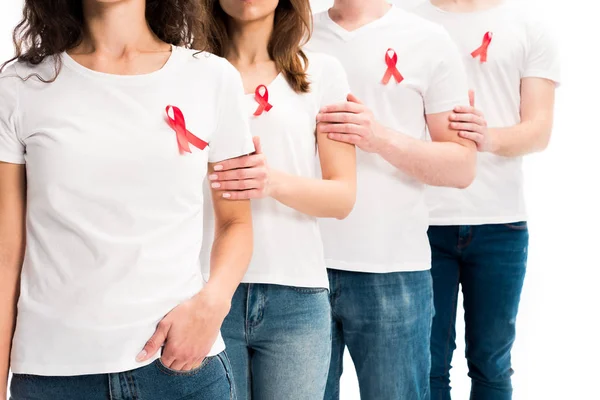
x,y
69,62
370,25
269,86
477,13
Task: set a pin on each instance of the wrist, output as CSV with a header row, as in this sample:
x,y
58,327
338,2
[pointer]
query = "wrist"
x,y
385,139
275,183
492,141
214,296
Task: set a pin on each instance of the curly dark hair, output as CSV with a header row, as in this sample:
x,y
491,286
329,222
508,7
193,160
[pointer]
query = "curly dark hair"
x,y
50,27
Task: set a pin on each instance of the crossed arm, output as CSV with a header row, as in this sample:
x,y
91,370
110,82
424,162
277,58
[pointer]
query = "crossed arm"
x,y
447,161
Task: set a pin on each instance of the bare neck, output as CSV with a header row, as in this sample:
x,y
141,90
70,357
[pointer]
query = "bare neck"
x,y
356,13
466,5
250,41
117,29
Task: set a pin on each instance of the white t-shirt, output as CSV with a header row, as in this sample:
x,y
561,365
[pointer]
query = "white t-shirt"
x,y
287,244
520,47
114,211
387,231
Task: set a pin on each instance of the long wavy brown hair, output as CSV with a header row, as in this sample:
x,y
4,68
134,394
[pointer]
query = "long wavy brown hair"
x,y
291,30
49,27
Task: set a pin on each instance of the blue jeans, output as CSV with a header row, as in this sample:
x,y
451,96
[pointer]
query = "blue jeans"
x,y
279,342
488,262
210,381
385,321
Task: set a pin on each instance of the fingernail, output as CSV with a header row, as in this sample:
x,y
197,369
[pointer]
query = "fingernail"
x,y
212,177
218,167
140,357
215,185
226,195
453,124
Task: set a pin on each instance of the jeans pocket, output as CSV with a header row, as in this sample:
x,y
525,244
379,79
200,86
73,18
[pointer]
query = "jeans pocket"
x,y
517,226
171,372
308,290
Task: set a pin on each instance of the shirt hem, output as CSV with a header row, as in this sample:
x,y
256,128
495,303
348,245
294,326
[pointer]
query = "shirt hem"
x,y
11,159
477,220
378,268
322,283
249,149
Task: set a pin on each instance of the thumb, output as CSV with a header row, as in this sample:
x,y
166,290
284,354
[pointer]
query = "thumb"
x,y
154,343
472,97
257,145
353,99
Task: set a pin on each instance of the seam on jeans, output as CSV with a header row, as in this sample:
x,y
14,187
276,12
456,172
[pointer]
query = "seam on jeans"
x,y
467,241
334,293
134,393
124,386
452,323
247,315
110,388
231,383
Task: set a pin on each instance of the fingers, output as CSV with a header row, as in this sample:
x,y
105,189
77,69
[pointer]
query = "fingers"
x,y
469,127
353,99
245,184
345,138
467,110
346,107
474,136
155,342
237,175
338,128
243,195
341,117
472,97
473,118
257,145
241,162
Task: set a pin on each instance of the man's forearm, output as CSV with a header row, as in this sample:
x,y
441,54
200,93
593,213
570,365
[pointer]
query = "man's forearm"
x,y
433,163
230,256
521,139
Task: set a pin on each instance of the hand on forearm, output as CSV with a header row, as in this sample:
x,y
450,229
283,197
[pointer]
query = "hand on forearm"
x,y
439,163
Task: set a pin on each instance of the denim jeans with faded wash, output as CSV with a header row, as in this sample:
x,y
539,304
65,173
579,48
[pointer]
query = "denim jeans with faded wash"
x,y
212,380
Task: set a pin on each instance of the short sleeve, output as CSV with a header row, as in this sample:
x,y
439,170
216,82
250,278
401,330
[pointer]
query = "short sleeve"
x,y
335,82
542,59
12,150
448,86
232,137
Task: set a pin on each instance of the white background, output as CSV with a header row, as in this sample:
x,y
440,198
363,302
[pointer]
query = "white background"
x,y
557,354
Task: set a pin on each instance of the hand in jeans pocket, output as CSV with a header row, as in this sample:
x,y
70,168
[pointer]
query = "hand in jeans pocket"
x,y
188,332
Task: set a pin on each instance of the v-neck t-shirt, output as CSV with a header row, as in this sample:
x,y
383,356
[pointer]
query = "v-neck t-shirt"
x,y
114,210
387,230
288,249
520,47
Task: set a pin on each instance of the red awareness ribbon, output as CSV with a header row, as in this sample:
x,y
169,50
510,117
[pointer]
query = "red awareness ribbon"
x,y
184,137
262,100
482,51
391,68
